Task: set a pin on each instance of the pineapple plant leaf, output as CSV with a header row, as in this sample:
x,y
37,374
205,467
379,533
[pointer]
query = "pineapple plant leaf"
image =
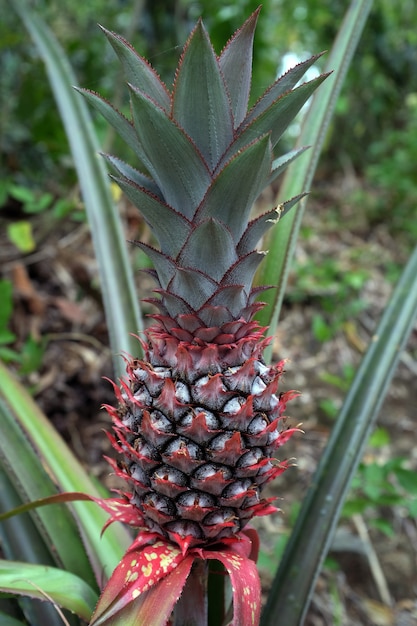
x,y
131,174
45,582
119,121
238,184
200,417
281,163
236,67
171,157
200,102
274,117
138,71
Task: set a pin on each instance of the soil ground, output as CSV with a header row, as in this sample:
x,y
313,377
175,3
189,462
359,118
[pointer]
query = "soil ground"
x,y
371,578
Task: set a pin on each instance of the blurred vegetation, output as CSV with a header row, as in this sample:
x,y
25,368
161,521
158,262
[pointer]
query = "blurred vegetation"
x,y
376,115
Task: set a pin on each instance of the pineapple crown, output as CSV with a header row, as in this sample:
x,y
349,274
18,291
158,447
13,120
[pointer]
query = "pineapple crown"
x,y
202,159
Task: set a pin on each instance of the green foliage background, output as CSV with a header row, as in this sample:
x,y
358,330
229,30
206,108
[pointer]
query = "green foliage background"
x,y
375,116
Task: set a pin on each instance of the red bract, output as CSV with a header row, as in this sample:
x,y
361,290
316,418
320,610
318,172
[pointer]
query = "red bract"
x,y
146,585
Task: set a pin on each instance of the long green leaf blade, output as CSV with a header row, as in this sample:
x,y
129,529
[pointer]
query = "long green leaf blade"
x,y
282,239
44,582
120,123
31,481
20,539
282,86
105,552
313,532
120,301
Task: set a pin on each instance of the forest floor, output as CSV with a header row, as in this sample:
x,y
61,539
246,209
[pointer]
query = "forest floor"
x,y
336,295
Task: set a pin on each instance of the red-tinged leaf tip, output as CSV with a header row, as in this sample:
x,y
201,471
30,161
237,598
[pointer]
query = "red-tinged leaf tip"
x,y
120,510
144,566
254,542
149,580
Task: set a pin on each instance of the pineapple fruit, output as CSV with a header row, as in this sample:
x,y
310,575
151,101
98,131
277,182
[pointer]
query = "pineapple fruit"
x,y
200,417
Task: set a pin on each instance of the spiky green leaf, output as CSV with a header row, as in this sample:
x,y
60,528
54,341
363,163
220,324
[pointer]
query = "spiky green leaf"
x,y
130,173
260,225
164,266
31,481
281,163
174,161
175,304
277,116
119,122
236,65
48,583
104,551
201,104
20,540
193,286
230,296
243,271
138,71
235,189
284,84
209,248
169,226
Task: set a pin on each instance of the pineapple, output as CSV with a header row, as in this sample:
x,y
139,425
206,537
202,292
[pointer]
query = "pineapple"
x,y
200,417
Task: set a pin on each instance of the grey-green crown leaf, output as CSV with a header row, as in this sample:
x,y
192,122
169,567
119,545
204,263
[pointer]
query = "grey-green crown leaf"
x,y
164,266
260,225
202,161
120,123
131,174
232,297
237,186
169,226
282,85
276,117
174,161
209,248
193,286
281,163
138,71
236,66
243,271
200,102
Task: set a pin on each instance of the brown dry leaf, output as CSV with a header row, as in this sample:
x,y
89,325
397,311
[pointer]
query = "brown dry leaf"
x,y
378,614
70,310
23,286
